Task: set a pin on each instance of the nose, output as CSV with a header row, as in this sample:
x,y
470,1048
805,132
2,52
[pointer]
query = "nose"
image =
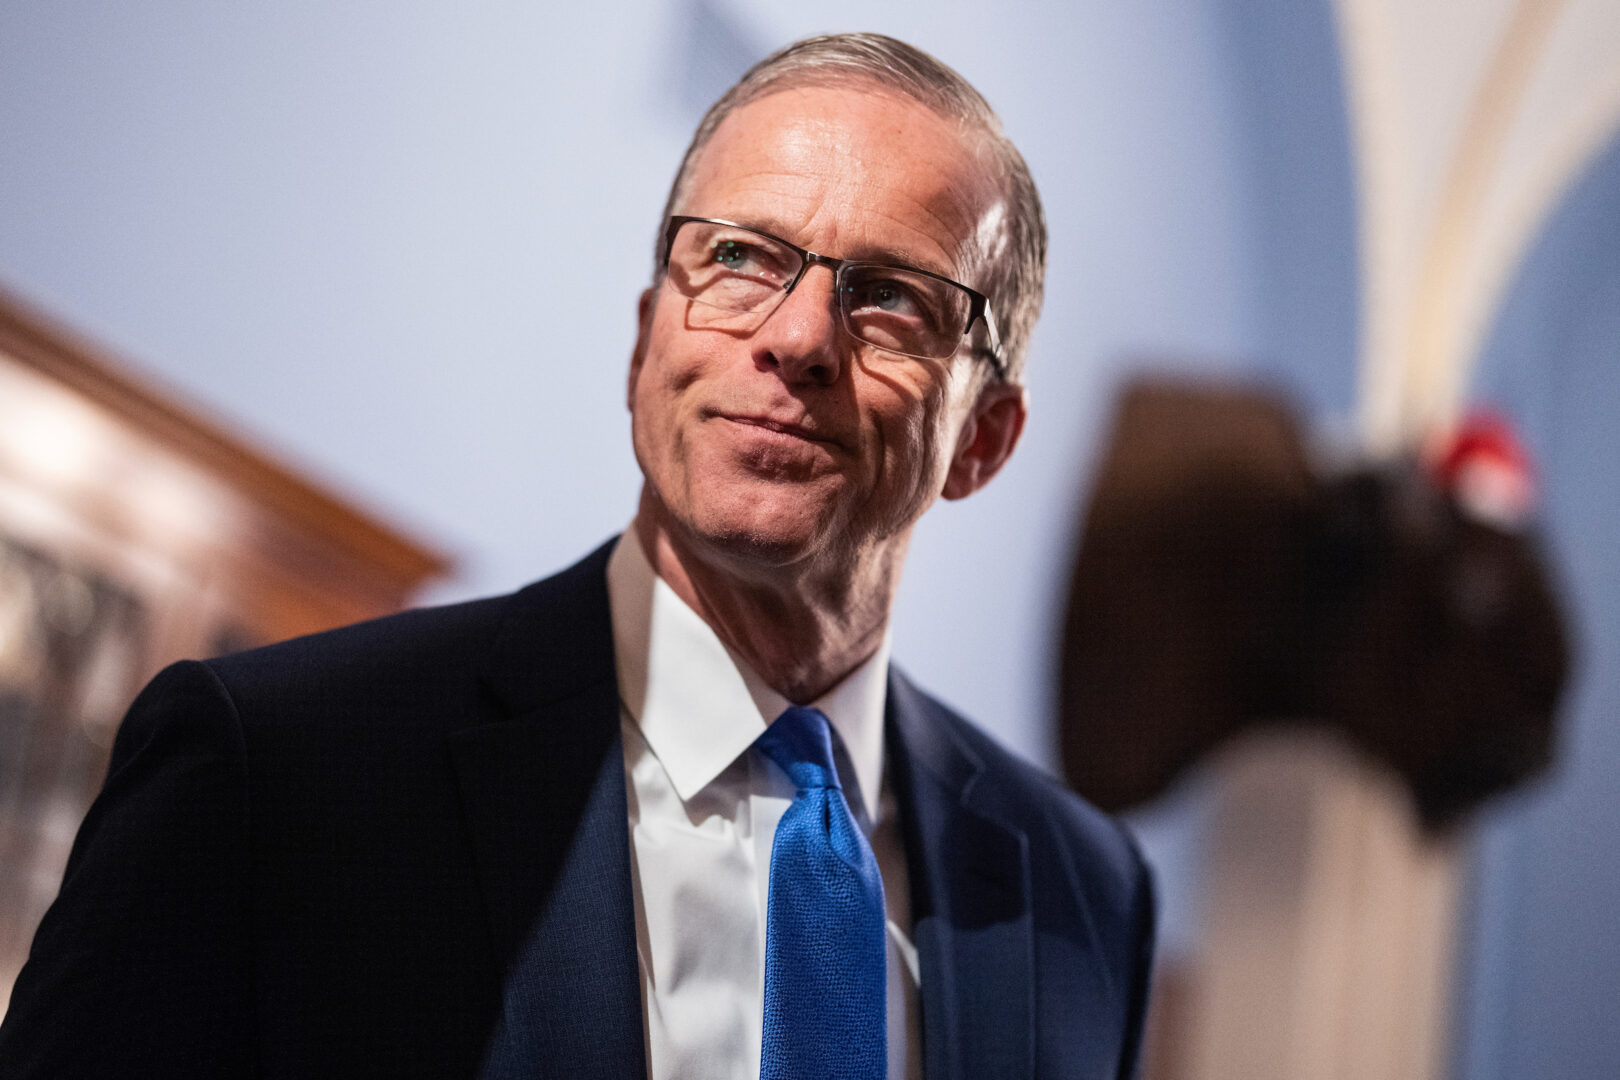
x,y
801,340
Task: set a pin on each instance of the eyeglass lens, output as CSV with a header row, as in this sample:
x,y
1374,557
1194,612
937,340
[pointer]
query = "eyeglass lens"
x,y
737,271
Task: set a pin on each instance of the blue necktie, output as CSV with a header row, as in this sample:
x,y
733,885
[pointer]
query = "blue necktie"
x,y
824,922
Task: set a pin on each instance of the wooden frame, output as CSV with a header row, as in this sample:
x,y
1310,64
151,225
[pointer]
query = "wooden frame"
x,y
134,532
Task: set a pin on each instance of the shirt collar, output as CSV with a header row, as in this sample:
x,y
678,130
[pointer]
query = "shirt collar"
x,y
699,705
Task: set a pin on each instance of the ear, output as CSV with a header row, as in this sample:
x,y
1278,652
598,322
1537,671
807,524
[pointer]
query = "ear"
x,y
986,441
644,311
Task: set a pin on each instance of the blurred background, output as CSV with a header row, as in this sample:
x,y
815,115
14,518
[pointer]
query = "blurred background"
x,y
391,252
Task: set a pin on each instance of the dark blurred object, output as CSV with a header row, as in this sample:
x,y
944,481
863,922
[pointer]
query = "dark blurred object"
x,y
1221,583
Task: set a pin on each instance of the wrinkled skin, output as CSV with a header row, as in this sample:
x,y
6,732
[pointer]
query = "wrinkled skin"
x,y
786,465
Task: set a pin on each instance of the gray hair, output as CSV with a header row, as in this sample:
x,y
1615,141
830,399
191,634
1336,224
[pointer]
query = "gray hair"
x,y
1014,262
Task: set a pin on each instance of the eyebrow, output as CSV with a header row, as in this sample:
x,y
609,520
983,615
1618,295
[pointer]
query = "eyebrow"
x,y
890,257
883,256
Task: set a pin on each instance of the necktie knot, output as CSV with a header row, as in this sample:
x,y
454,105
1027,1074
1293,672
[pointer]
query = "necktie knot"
x,y
800,741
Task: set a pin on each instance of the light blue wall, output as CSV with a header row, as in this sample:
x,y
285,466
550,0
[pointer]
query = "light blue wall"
x,y
1293,138
1544,947
401,243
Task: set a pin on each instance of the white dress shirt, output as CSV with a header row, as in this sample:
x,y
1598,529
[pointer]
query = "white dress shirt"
x,y
703,812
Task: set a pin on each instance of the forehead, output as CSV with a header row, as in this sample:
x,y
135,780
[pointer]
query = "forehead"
x,y
850,172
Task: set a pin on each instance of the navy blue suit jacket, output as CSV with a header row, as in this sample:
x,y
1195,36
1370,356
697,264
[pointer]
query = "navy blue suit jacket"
x,y
401,849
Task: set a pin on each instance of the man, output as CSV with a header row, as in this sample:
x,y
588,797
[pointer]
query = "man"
x,y
564,833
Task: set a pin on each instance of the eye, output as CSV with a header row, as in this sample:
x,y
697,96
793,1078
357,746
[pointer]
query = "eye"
x,y
739,257
891,296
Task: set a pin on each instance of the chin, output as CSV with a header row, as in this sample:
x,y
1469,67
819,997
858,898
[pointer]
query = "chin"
x,y
773,528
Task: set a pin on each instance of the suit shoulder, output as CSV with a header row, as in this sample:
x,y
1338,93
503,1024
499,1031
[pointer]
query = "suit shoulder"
x,y
412,660
1051,816
1090,891
443,636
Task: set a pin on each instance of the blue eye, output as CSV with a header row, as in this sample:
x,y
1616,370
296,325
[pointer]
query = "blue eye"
x,y
887,297
741,257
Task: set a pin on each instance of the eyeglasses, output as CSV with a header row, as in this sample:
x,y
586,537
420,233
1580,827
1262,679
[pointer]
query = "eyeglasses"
x,y
743,275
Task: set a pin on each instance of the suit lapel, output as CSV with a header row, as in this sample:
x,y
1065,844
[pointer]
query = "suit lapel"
x,y
544,800
970,896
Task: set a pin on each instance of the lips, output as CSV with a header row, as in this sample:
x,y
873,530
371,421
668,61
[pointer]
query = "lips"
x,y
789,428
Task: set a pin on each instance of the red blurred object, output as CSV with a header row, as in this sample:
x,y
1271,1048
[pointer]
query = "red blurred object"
x,y
1485,468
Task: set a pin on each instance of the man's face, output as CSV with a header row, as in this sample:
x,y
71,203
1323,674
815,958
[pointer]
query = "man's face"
x,y
794,441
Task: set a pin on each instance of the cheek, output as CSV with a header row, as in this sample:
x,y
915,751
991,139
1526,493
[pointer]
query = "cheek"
x,y
675,359
916,440
654,431
665,374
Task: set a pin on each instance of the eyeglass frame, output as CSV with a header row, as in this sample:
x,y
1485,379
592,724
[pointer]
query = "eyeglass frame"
x,y
978,303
